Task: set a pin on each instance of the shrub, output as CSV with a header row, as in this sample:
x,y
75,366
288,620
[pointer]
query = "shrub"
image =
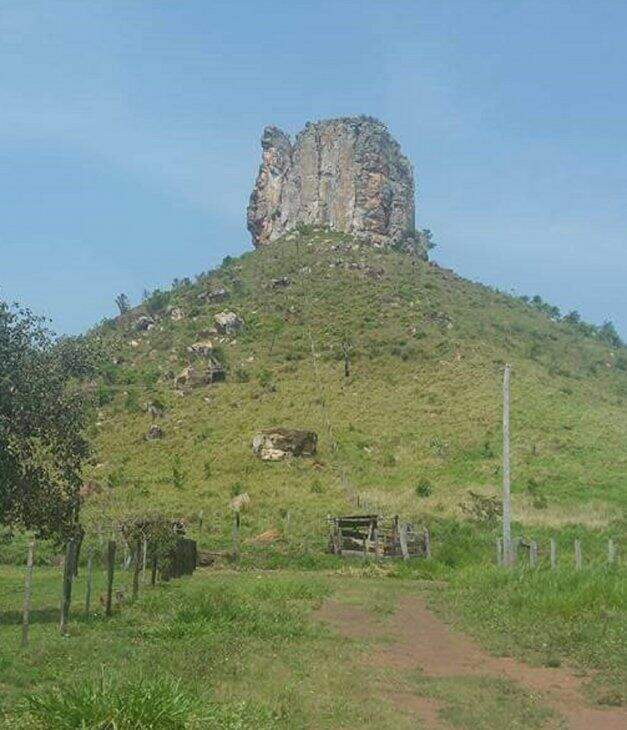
x,y
481,508
107,704
423,488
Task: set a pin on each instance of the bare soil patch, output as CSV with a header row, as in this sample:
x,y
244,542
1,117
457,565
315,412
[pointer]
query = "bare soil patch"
x,y
417,639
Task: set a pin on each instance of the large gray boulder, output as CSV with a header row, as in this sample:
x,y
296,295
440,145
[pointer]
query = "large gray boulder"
x,y
274,444
345,174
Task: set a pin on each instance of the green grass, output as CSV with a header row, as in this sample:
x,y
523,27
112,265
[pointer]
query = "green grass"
x,y
565,616
422,403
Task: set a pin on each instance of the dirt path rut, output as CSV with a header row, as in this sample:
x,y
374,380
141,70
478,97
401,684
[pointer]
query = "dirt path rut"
x,y
417,639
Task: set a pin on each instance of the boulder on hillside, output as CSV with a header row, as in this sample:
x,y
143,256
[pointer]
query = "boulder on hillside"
x,y
281,282
144,323
154,433
194,375
274,444
202,349
176,314
228,323
219,294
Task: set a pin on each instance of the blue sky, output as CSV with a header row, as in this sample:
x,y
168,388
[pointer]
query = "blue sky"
x,y
129,136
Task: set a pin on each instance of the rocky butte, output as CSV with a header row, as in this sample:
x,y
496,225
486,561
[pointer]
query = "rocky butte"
x,y
344,174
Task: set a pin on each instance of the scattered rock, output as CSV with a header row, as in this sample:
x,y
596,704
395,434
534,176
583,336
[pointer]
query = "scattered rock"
x,y
176,314
156,410
144,323
134,343
203,349
219,294
194,375
228,323
282,282
274,444
154,433
240,502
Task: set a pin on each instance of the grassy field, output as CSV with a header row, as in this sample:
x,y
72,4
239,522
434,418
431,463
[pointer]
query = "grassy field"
x,y
241,649
412,431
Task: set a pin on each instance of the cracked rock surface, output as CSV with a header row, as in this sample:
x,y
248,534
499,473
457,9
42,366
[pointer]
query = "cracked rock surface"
x,y
345,174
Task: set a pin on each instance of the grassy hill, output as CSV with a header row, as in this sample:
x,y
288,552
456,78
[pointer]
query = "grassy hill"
x,y
414,427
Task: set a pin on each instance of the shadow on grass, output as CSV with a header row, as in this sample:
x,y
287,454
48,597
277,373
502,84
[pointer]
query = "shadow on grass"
x,y
36,616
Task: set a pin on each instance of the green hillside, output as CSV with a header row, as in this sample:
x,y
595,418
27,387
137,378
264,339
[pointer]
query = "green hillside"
x,y
411,430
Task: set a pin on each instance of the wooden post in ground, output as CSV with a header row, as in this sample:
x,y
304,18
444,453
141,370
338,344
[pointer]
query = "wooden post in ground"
x,y
507,534
136,568
553,553
402,538
144,559
90,575
611,551
201,515
375,537
110,573
427,542
533,554
28,579
68,575
578,558
235,536
153,570
365,549
499,551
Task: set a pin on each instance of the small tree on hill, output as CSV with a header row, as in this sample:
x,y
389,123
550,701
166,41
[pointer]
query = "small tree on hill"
x,y
42,416
123,303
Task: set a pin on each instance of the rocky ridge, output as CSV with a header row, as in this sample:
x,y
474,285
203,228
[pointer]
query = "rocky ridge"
x,y
346,174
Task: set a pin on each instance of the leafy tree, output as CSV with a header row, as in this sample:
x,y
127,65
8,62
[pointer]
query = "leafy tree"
x,y
42,415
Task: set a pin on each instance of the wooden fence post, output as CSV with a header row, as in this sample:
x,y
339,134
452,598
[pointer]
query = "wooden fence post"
x,y
533,554
611,551
234,554
553,553
201,514
578,557
136,568
375,537
144,559
68,575
110,572
90,571
427,541
499,551
402,538
365,550
28,579
153,570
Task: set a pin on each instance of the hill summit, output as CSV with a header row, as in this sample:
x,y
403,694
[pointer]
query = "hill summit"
x,y
347,175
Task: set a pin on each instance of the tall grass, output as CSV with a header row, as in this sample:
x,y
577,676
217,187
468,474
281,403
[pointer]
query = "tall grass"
x,y
109,704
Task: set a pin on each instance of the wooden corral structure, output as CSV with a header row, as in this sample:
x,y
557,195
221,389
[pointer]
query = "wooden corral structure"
x,y
373,534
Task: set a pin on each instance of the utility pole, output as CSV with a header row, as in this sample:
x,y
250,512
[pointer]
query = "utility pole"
x,y
507,533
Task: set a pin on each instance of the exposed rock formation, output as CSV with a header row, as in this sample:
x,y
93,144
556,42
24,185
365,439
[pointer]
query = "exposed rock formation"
x,y
274,444
344,174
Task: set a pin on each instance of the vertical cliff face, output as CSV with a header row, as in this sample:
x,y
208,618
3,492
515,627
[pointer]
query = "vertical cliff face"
x,y
344,174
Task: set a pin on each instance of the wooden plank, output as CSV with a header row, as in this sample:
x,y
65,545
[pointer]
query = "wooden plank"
x,y
402,536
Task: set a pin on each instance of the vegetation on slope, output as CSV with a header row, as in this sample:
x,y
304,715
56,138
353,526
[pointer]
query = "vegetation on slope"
x,y
412,429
